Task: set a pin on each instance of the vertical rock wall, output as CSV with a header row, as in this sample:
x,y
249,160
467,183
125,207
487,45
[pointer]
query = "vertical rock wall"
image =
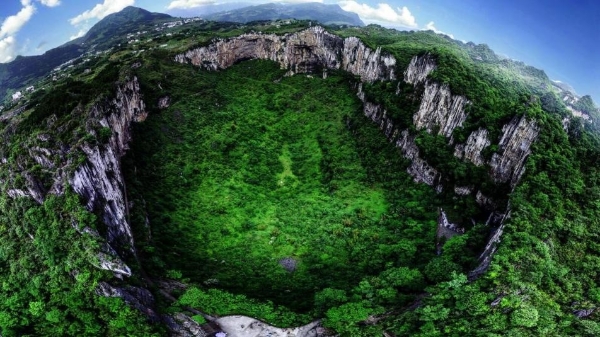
x,y
515,145
99,180
302,52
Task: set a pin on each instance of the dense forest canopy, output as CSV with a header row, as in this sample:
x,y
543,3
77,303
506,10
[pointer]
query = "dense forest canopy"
x,y
273,196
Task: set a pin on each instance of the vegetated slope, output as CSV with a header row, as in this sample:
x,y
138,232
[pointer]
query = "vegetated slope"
x,y
536,285
114,27
110,31
55,260
322,13
220,151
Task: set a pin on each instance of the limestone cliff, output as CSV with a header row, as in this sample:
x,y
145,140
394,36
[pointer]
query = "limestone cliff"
x,y
99,180
515,145
315,49
306,51
471,150
439,108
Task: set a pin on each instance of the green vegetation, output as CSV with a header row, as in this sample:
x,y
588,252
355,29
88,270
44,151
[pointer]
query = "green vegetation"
x,y
274,197
48,279
240,178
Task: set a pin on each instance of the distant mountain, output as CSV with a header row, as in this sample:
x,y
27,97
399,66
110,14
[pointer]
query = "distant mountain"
x,y
117,24
205,10
325,14
101,36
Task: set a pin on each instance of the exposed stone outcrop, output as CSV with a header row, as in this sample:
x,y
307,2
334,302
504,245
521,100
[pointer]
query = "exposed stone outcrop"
x,y
445,229
418,69
42,156
243,326
471,150
107,258
486,256
99,180
582,313
463,190
301,52
164,102
418,169
439,108
517,136
485,201
139,298
443,222
183,326
370,65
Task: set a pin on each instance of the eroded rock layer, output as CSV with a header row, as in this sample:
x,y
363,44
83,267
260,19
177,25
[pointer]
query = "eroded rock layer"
x,y
302,52
99,180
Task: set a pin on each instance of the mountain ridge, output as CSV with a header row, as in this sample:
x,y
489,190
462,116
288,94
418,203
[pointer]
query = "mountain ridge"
x,y
323,13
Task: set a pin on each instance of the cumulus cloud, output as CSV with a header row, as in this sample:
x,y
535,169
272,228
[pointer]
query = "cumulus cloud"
x,y
50,3
10,27
14,23
7,49
100,10
382,13
187,4
79,34
430,26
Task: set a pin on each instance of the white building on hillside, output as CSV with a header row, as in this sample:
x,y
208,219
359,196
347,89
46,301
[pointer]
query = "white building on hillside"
x,y
17,95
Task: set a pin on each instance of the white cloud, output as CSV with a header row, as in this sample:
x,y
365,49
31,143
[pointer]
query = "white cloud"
x,y
78,35
187,4
10,27
101,10
430,26
50,3
382,13
7,49
14,23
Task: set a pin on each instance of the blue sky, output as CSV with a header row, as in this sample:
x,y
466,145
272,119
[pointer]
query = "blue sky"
x,y
560,37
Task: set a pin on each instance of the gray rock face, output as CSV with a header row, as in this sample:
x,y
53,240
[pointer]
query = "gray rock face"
x,y
184,326
243,326
139,298
492,245
418,69
289,264
471,150
440,109
515,144
164,102
418,169
301,52
99,180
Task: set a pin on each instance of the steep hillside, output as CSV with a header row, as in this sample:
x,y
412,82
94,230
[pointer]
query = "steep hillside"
x,y
108,33
352,181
